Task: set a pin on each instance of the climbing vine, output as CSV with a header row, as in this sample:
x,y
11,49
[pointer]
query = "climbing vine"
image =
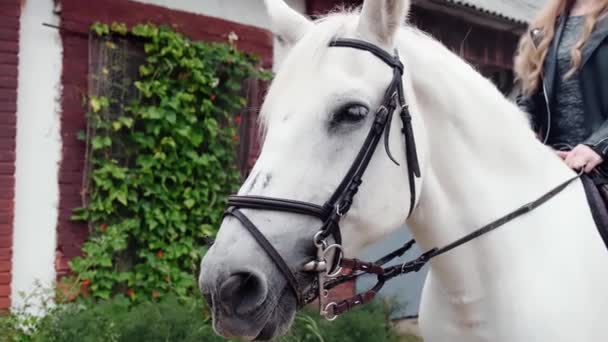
x,y
160,167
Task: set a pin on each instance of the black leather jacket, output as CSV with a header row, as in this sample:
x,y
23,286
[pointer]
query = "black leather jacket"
x,y
593,78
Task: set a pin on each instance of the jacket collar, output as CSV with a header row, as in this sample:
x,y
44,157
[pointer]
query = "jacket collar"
x,y
600,33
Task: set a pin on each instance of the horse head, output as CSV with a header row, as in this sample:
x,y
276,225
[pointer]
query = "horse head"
x,y
327,121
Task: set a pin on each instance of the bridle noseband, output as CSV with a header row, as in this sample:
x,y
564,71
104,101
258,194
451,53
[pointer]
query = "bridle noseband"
x,y
338,205
341,201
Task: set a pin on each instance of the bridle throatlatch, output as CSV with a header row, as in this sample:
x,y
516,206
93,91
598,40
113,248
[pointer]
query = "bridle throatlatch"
x,y
338,205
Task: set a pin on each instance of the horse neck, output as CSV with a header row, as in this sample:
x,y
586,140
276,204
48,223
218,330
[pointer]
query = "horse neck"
x,y
482,162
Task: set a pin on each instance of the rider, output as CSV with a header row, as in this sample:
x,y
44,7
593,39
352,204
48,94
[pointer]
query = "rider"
x,y
562,68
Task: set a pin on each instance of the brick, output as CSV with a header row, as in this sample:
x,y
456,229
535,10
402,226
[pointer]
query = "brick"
x,y
6,219
7,205
5,266
5,278
6,182
9,58
8,83
5,303
9,47
7,144
9,10
72,164
8,70
8,95
6,156
70,178
5,291
6,228
7,256
4,252
9,34
8,132
8,106
6,169
9,22
8,118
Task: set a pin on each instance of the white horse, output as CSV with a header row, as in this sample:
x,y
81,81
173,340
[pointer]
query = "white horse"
x,y
541,277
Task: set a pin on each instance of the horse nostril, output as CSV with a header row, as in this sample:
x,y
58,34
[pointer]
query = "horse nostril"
x,y
243,293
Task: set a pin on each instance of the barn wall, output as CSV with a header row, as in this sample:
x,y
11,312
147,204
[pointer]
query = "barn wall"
x,y
38,149
246,12
10,11
75,22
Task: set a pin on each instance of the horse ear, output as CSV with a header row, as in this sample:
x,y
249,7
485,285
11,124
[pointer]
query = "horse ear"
x,y
287,23
380,19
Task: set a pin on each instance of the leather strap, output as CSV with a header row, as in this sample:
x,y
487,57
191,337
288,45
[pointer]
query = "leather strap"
x,y
415,265
270,250
342,198
392,61
277,204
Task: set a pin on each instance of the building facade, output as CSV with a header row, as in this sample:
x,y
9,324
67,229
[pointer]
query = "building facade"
x,y
44,65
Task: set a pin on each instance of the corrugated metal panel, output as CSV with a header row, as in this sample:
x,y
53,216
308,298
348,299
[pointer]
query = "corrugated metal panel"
x,y
521,11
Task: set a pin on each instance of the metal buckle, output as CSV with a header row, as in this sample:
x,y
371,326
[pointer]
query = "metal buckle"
x,y
339,211
340,253
319,241
325,311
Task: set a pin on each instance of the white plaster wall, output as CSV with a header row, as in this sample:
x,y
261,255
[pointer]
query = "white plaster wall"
x,y
248,12
38,150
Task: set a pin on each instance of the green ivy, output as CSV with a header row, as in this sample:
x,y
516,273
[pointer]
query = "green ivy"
x,y
153,208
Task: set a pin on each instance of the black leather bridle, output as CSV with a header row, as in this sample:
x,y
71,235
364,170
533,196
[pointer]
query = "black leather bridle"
x,y
340,202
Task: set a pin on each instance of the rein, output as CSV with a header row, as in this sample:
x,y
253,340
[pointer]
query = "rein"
x,y
385,274
338,205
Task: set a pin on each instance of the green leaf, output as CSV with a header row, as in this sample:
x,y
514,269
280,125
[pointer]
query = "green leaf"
x,y
171,117
189,203
95,105
81,135
97,143
98,103
119,28
121,196
100,29
162,164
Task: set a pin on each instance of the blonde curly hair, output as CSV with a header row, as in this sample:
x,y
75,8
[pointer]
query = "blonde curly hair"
x,y
529,59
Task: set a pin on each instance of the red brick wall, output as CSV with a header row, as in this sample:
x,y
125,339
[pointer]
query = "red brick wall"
x,y
76,19
10,11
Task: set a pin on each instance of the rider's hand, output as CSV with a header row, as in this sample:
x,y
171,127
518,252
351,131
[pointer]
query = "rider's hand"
x,y
582,156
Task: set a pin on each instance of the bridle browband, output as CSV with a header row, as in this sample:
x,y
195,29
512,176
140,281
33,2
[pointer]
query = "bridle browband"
x,y
341,200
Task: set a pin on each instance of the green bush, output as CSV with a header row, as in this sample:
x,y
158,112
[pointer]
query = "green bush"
x,y
162,165
367,323
170,319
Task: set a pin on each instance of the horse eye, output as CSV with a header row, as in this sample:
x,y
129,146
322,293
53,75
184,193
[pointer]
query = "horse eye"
x,y
351,113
